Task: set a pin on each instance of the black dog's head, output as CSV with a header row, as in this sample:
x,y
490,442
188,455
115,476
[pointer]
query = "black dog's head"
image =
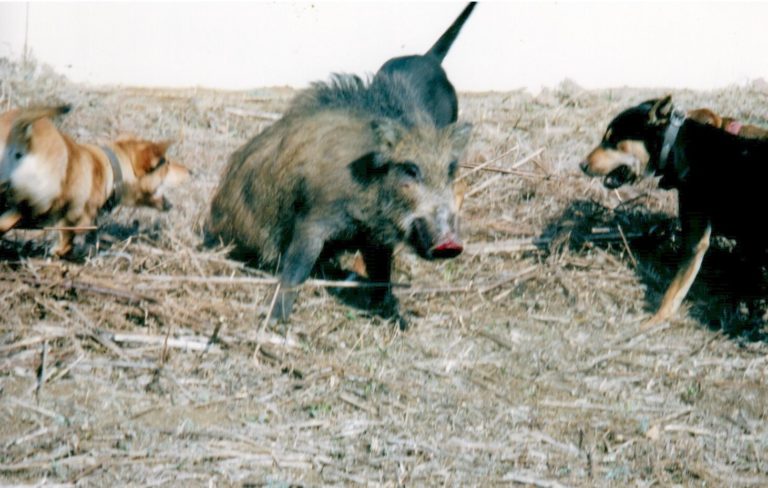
x,y
631,144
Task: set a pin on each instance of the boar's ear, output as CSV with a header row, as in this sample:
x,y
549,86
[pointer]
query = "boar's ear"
x,y
661,110
460,136
387,133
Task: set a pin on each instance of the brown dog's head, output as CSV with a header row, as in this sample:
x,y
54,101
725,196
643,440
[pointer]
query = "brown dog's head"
x,y
631,145
707,117
153,173
728,124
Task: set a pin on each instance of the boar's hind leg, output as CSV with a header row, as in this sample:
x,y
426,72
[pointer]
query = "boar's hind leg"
x,y
298,261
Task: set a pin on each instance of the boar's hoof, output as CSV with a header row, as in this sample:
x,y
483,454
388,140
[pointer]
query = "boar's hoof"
x,y
389,308
402,322
283,306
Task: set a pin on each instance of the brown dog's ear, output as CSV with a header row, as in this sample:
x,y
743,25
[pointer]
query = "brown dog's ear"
x,y
126,137
661,110
164,145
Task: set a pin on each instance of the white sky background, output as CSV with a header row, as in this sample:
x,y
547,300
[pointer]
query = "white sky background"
x,y
503,46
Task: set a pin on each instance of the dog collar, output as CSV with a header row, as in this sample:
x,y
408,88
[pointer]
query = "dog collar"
x,y
117,180
670,136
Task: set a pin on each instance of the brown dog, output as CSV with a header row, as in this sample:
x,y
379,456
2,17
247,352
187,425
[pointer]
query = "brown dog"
x,y
729,124
47,178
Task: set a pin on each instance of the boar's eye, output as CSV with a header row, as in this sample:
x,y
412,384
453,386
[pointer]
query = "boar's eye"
x,y
410,170
452,167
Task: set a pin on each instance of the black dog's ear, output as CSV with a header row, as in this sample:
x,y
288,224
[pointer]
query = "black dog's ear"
x,y
368,167
661,110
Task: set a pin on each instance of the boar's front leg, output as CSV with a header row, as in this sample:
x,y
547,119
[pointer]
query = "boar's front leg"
x,y
299,259
378,263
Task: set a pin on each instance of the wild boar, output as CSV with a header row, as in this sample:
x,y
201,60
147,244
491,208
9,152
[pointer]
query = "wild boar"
x,y
352,165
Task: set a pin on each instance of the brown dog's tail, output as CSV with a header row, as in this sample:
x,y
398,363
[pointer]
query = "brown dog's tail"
x,y
29,116
19,137
441,47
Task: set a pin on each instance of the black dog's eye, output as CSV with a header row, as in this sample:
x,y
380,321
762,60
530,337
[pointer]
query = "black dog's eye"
x,y
410,170
452,168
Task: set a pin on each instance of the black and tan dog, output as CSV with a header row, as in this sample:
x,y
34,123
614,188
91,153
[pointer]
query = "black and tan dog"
x,y
425,76
720,180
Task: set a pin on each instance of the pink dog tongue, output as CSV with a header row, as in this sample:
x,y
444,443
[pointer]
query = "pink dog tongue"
x,y
447,249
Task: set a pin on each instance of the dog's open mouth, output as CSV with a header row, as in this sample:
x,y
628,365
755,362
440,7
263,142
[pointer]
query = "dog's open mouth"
x,y
618,177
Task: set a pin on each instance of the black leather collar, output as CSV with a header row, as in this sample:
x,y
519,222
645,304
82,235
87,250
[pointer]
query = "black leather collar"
x,y
677,117
117,181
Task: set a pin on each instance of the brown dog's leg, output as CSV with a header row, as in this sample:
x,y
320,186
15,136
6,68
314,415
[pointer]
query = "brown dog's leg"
x,y
682,282
64,246
67,235
9,220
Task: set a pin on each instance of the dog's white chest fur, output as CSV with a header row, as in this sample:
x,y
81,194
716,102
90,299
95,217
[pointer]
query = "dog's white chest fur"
x,y
32,182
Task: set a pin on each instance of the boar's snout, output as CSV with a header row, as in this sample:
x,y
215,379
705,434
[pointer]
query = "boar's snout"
x,y
436,238
449,247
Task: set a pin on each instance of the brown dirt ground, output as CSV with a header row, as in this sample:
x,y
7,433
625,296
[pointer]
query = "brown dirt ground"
x,y
524,363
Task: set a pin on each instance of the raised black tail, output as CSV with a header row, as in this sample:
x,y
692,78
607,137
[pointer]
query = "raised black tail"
x,y
441,47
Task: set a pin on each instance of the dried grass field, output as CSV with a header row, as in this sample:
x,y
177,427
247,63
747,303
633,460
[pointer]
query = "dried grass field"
x,y
146,361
